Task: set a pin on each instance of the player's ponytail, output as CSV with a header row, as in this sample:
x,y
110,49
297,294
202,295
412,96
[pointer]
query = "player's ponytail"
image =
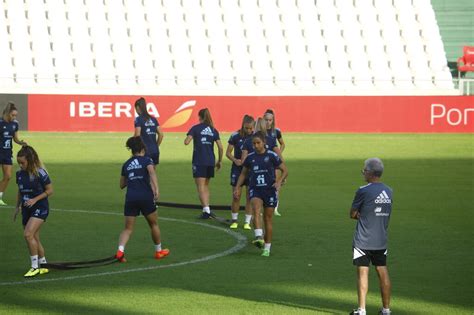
x,y
140,106
246,120
32,158
260,125
205,117
135,144
8,109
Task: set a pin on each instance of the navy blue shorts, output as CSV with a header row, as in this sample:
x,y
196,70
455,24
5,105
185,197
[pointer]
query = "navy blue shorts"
x,y
268,196
203,171
155,157
6,159
135,207
234,176
33,212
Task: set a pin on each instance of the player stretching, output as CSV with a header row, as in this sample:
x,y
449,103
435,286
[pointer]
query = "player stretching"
x,y
34,188
138,175
260,166
372,207
235,144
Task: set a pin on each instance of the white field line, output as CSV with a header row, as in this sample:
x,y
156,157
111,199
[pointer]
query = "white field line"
x,y
241,243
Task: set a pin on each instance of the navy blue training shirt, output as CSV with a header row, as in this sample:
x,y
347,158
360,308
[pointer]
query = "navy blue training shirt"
x,y
204,137
8,130
32,186
238,142
261,168
137,177
149,130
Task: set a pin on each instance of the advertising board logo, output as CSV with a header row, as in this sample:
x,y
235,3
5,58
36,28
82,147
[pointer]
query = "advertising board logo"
x,y
181,115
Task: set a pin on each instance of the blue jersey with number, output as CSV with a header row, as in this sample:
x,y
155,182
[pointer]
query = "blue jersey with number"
x,y
204,137
137,178
31,186
148,132
8,130
270,143
261,169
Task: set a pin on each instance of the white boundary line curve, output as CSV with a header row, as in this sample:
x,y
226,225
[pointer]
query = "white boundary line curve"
x,y
241,243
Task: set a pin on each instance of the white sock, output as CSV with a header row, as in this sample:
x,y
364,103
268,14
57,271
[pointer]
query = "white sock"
x,y
42,260
34,261
248,218
268,246
235,216
121,248
385,310
206,209
1,195
157,247
361,311
258,232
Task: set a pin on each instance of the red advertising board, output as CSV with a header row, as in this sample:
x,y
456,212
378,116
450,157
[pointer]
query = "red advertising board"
x,y
293,113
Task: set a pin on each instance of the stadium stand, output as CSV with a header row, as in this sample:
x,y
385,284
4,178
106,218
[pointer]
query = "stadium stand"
x,y
314,47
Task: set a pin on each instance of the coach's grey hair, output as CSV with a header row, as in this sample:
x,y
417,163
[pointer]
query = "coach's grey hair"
x,y
374,166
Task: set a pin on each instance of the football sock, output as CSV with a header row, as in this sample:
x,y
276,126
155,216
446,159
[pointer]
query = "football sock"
x,y
235,216
258,232
385,310
121,248
248,217
157,247
1,195
42,260
268,246
34,261
206,209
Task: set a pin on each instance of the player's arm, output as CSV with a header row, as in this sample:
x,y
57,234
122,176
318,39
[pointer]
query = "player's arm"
x,y
138,131
240,181
245,153
18,206
153,181
188,139
228,152
220,153
17,140
48,191
160,136
284,174
354,214
123,182
277,150
282,144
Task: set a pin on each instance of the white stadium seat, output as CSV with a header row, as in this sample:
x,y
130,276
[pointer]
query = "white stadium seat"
x,y
317,46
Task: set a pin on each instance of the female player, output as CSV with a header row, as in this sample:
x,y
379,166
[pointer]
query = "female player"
x,y
147,127
270,143
263,186
34,188
138,175
204,135
272,131
235,144
275,133
9,127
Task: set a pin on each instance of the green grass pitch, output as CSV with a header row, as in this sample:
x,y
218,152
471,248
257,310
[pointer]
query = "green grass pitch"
x,y
310,270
